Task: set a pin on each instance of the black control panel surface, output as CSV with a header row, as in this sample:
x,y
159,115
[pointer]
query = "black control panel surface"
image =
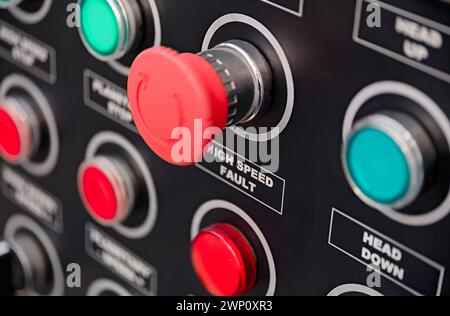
x,y
289,200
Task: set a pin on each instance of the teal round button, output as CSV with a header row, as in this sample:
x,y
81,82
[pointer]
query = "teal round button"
x,y
378,166
100,26
9,3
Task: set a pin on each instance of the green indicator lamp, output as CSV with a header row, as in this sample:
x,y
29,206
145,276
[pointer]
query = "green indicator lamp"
x,y
109,28
386,158
6,4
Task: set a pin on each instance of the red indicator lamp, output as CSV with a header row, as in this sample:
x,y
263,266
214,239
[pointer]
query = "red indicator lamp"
x,y
224,261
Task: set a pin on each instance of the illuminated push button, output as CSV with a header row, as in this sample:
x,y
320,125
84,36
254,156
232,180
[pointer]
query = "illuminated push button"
x,y
107,188
25,265
109,27
224,261
19,130
386,159
5,4
171,94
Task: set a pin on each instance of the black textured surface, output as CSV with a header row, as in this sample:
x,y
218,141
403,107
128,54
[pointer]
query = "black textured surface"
x,y
329,68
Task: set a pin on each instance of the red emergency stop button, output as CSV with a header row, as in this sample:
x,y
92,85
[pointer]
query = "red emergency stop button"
x,y
107,189
180,102
174,96
224,261
19,132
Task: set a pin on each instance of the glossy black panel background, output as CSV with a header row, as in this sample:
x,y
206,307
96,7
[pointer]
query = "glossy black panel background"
x,y
329,69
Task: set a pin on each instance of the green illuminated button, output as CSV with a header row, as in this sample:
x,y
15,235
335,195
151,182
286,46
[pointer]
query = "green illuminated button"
x,y
378,166
385,161
4,4
108,27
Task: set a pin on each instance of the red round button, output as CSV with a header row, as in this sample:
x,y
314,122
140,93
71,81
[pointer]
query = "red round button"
x,y
224,261
178,103
104,191
16,139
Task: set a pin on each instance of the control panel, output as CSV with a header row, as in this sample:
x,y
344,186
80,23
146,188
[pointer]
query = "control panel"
x,y
224,148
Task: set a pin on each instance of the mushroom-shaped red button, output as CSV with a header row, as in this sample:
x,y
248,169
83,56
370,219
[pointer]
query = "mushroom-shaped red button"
x,y
178,103
107,190
224,261
18,131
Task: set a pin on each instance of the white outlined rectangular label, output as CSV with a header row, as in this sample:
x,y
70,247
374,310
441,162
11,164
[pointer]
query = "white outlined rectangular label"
x,y
294,7
120,260
406,37
240,173
33,199
405,267
108,99
28,52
